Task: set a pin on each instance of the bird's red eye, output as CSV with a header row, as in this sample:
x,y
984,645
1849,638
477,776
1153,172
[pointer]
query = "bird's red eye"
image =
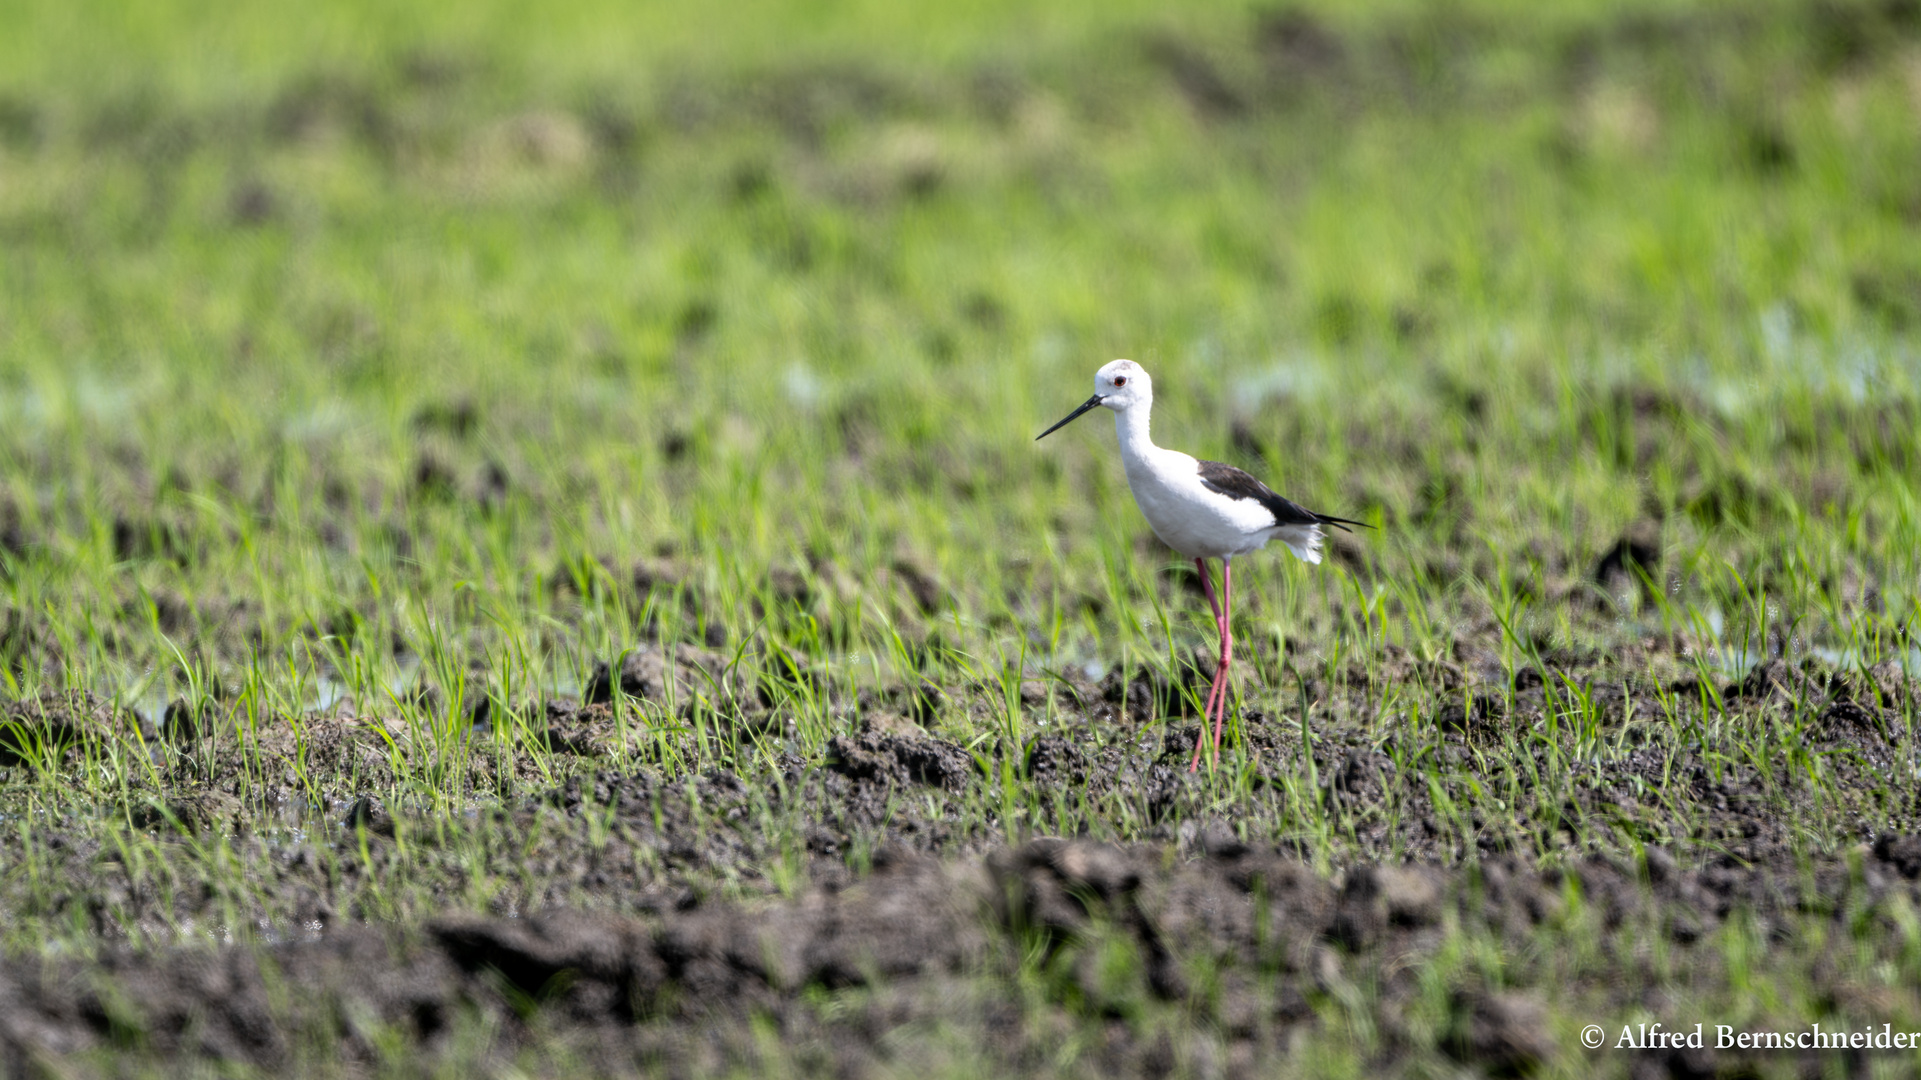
x,y
1120,380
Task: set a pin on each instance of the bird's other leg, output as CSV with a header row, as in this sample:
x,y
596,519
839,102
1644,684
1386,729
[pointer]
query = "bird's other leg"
x,y
1214,689
1227,645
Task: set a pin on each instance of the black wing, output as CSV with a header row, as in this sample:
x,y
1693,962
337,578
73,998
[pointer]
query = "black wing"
x,y
1224,479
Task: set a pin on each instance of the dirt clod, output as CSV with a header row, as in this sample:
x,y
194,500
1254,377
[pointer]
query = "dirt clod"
x,y
899,759
370,814
206,811
644,674
43,729
1634,555
1902,851
1774,680
1378,897
1506,1034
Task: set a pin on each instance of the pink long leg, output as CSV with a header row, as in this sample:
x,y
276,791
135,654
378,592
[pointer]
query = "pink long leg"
x,y
1227,645
1214,691
1217,690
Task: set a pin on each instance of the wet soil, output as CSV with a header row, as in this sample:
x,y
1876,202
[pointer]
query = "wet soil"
x,y
1245,942
697,880
723,789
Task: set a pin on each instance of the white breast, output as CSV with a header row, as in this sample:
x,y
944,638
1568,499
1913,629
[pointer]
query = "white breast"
x,y
1188,517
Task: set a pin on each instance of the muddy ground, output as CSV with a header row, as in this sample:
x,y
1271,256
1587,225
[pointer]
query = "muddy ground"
x,y
1248,946
899,900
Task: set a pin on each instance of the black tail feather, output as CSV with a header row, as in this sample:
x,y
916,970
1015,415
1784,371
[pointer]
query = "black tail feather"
x,y
1340,523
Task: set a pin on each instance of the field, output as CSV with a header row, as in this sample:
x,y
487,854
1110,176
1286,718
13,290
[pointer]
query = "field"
x,y
522,550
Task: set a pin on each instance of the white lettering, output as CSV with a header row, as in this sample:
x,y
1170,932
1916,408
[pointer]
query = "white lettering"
x,y
1655,1035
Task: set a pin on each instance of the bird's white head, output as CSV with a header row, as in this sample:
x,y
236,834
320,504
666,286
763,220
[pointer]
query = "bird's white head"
x,y
1123,384
1120,385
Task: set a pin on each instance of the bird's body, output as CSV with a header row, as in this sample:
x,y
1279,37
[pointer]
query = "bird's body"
x,y
1202,509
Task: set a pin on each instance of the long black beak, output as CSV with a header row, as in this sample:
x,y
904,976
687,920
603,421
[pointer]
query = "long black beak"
x,y
1070,417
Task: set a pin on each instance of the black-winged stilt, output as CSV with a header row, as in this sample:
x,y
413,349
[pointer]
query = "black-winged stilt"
x,y
1202,509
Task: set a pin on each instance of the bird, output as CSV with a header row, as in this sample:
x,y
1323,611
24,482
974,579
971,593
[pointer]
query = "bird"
x,y
1202,509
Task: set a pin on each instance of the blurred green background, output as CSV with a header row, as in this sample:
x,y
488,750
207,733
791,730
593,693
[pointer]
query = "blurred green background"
x,y
327,331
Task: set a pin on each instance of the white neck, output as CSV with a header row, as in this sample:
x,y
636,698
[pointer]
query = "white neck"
x,y
1131,425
